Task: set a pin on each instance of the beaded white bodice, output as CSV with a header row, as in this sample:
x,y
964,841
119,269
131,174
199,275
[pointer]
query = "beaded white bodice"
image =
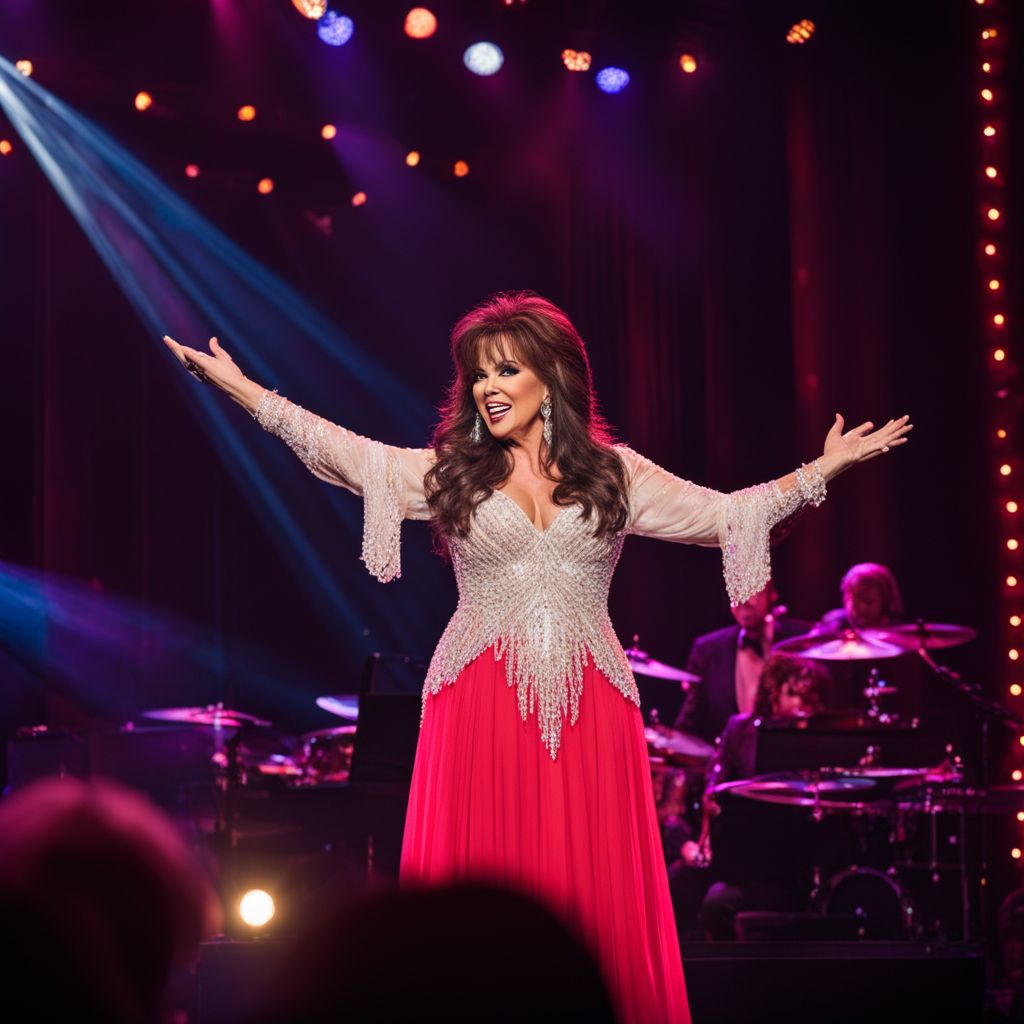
x,y
540,598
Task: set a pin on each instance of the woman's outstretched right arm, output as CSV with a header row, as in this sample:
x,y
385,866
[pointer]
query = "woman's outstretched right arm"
x,y
389,479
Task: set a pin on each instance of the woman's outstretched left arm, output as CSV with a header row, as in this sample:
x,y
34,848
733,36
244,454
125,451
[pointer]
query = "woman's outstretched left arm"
x,y
667,507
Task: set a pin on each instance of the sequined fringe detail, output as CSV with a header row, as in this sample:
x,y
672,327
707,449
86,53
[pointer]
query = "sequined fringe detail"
x,y
750,515
546,687
382,515
333,453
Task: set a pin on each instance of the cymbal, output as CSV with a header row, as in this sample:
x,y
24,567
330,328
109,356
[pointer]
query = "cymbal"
x,y
338,731
344,705
840,645
642,662
912,636
677,746
839,789
216,715
957,797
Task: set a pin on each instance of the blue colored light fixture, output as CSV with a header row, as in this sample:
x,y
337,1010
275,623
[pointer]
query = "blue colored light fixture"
x,y
612,80
335,29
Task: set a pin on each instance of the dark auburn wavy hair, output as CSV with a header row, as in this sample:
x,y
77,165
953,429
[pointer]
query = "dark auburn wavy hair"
x,y
536,333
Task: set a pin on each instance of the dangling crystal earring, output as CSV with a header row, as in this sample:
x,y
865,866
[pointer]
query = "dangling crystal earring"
x,y
477,433
545,415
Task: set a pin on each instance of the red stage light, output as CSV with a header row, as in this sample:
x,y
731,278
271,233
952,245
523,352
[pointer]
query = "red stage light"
x,y
247,113
412,158
192,170
990,249
461,168
143,101
993,213
5,147
359,199
265,186
688,63
328,131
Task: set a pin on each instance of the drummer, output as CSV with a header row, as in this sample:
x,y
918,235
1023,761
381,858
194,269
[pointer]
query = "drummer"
x,y
871,600
729,662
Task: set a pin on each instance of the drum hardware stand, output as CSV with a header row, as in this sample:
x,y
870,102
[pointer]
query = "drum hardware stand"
x,y
987,711
875,689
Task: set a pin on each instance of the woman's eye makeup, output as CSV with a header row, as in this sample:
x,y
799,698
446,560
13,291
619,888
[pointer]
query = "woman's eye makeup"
x,y
503,369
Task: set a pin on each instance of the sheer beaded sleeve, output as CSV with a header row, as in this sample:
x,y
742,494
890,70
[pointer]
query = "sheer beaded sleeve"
x,y
670,508
389,479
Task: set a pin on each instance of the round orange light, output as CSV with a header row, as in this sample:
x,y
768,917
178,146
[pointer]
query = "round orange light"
x,y
999,355
312,9
247,113
461,168
1015,853
359,199
5,147
420,23
993,213
412,158
988,131
24,67
986,67
1011,507
1017,775
998,319
688,63
987,95
1001,434
328,131
265,186
143,101
994,285
1011,581
991,172
1014,620
990,249
1015,690
1005,470
990,33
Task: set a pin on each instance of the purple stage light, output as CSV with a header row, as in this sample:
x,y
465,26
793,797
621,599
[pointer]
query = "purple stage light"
x,y
612,80
335,29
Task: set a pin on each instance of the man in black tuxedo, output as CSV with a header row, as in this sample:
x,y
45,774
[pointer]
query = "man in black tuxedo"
x,y
729,663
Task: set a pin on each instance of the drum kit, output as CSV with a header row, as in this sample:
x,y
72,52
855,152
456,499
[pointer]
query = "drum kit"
x,y
923,811
249,752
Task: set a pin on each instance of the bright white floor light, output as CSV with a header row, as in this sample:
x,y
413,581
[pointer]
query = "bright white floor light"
x,y
256,907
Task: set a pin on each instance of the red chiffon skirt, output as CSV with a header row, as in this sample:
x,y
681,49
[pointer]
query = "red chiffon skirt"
x,y
579,833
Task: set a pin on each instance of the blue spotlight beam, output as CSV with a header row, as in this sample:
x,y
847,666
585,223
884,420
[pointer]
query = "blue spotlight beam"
x,y
184,277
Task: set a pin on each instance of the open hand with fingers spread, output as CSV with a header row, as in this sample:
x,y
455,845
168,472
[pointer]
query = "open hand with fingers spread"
x,y
864,442
218,368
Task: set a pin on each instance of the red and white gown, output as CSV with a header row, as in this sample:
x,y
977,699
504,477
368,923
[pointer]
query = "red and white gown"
x,y
532,768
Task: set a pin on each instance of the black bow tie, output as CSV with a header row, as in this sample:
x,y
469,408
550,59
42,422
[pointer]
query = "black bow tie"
x,y
752,640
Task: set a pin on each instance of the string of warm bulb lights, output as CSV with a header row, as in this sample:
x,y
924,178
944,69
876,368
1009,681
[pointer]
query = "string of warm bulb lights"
x,y
992,149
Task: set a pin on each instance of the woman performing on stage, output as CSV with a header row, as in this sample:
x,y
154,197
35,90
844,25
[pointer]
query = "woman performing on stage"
x,y
532,768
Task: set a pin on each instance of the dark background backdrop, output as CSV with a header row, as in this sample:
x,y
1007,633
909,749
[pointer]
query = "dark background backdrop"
x,y
790,232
